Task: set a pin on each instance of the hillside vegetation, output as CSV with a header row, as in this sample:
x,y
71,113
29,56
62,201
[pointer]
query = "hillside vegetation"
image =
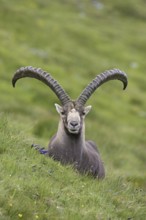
x,y
74,41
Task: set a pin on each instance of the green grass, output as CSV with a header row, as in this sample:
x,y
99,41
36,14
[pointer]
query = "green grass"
x,y
74,41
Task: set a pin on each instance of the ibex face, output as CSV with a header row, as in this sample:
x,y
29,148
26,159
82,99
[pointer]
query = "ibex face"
x,y
72,116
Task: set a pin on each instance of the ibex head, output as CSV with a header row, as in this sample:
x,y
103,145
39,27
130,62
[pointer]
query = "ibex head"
x,y
72,116
71,112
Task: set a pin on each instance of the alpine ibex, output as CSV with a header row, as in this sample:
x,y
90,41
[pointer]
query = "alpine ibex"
x,y
68,145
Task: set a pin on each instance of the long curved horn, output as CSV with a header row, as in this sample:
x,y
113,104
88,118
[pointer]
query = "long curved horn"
x,y
99,80
45,77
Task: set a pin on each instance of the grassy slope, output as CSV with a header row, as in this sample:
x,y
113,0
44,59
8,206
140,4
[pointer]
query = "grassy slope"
x,y
74,41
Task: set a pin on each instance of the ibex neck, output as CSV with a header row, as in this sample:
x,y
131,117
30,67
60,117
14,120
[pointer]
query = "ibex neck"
x,y
72,140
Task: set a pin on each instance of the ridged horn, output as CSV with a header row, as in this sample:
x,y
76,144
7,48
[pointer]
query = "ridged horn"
x,y
43,76
99,80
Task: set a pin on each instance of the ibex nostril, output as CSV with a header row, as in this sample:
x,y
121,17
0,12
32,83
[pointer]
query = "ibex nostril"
x,y
74,123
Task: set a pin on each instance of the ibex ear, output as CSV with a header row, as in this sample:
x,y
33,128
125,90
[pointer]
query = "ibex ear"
x,y
87,109
59,109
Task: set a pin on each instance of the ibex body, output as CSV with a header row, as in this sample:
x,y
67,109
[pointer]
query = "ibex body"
x,y
69,145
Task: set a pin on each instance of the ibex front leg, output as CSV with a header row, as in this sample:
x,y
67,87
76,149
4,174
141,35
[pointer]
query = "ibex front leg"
x,y
39,148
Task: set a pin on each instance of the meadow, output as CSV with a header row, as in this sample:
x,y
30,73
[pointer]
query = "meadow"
x,y
74,41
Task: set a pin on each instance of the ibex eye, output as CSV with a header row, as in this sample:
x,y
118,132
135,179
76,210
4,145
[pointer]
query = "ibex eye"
x,y
84,113
62,113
